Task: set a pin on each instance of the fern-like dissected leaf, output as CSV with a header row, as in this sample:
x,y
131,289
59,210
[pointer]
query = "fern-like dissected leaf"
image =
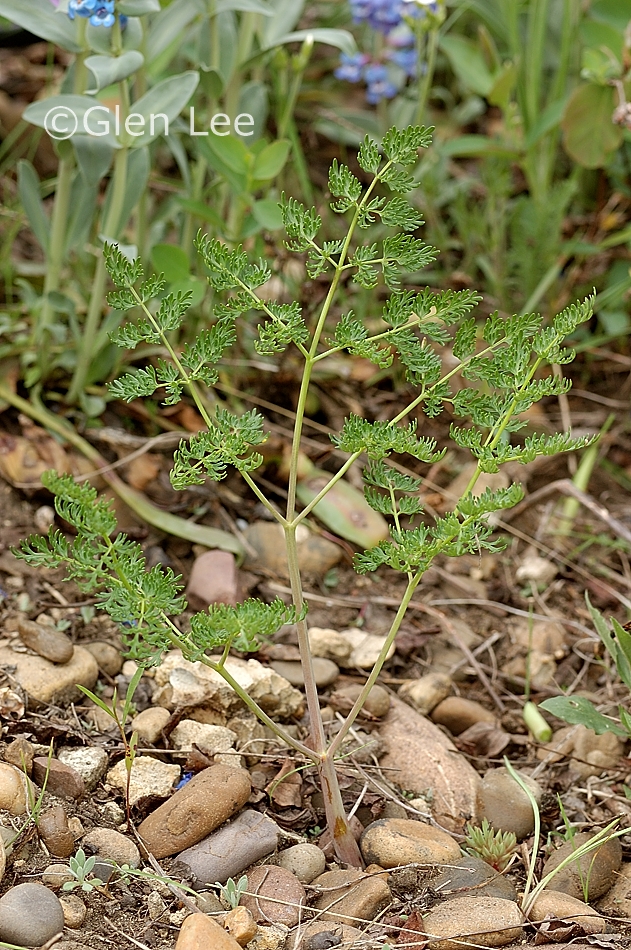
x,y
344,186
242,627
285,326
228,442
301,225
123,272
379,439
351,334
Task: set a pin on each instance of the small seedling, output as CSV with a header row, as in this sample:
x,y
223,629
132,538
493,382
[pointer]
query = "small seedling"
x,y
493,846
82,867
230,892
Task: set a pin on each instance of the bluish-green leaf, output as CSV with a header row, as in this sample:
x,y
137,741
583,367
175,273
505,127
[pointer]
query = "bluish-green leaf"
x,y
75,114
110,69
28,190
287,13
468,63
340,39
170,260
169,24
245,6
268,214
167,98
138,7
579,711
94,157
270,162
40,18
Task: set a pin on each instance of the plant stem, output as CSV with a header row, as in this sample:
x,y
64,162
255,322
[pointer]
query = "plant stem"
x,y
425,86
55,256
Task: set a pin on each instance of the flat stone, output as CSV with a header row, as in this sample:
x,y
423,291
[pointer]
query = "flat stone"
x,y
273,882
330,644
391,842
424,760
241,925
306,861
46,641
472,877
61,780
322,934
112,845
229,850
54,683
210,739
316,555
617,901
200,932
366,648
30,915
150,778
377,704
556,904
56,875
425,693
204,803
458,714
481,921
325,671
506,805
149,724
90,762
55,833
596,870
108,658
74,911
213,580
351,894
14,789
21,754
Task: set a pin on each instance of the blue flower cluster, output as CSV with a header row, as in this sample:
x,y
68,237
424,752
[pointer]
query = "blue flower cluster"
x,y
387,15
99,12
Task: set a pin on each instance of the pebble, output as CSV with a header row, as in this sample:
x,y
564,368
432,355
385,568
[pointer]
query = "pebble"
x,y
44,518
45,640
14,786
390,842
274,938
182,683
55,875
90,762
316,555
155,905
306,861
482,921
204,803
472,874
211,740
557,904
544,636
112,845
20,753
150,778
325,671
425,693
330,644
61,780
209,903
55,833
322,934
617,901
227,852
351,893
241,925
3,854
536,570
425,759
377,704
506,805
74,911
30,915
213,580
270,881
595,753
200,932
251,736
366,648
458,714
597,869
52,683
108,658
149,724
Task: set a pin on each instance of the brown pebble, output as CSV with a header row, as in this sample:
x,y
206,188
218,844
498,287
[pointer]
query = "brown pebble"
x,y
200,932
458,714
60,779
213,580
241,925
20,753
209,799
55,833
46,641
106,655
280,884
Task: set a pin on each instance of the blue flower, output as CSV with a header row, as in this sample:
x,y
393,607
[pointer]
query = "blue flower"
x,y
100,12
351,67
405,59
379,86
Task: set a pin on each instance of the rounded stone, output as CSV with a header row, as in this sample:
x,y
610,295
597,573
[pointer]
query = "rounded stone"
x,y
47,682
20,753
425,693
557,904
112,845
55,833
306,861
30,915
46,641
108,658
321,934
60,779
325,671
351,893
377,704
149,724
204,803
391,842
472,874
458,714
74,911
230,849
200,932
13,789
505,803
277,883
90,762
56,875
596,870
150,778
241,925
477,921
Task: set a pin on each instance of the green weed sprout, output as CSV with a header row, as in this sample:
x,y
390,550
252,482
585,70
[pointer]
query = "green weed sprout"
x,y
494,847
232,891
81,867
502,364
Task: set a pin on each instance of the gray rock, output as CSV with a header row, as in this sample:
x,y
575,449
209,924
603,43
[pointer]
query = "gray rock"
x,y
30,914
227,852
90,762
376,705
213,740
107,843
617,901
330,644
390,842
325,671
472,877
316,555
306,861
321,934
45,640
351,894
278,883
596,870
506,805
366,648
55,875
480,921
